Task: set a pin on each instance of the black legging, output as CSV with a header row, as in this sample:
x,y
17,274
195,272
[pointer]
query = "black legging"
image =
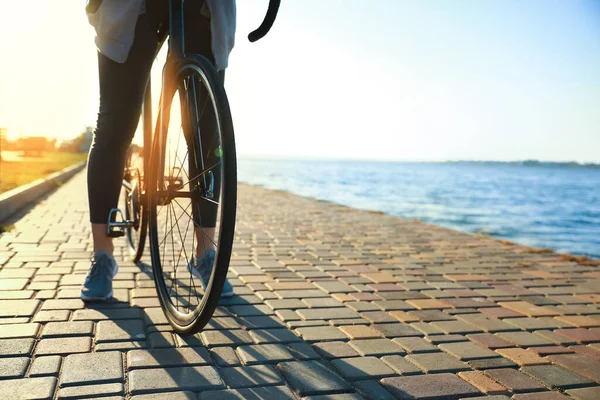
x,y
122,88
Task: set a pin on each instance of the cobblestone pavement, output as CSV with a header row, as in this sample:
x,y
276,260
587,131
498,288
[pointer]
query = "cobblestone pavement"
x,y
332,303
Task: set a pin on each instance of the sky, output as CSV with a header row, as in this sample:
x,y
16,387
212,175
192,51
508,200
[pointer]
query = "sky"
x,y
352,79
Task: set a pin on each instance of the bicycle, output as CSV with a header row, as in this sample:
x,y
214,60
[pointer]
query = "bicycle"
x,y
160,189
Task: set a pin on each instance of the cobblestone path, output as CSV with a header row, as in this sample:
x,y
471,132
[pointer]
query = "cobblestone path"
x,y
332,303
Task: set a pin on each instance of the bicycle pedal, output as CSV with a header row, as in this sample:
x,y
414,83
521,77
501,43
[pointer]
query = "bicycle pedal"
x,y
116,228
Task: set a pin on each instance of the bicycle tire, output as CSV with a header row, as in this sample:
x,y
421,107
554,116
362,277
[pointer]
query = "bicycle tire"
x,y
135,207
197,316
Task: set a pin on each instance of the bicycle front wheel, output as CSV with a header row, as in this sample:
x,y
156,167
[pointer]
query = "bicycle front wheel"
x,y
192,209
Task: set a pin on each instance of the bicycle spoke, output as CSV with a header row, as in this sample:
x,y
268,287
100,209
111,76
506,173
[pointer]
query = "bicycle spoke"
x,y
195,223
161,242
199,175
186,254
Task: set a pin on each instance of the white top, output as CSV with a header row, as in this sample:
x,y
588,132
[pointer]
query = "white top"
x,y
115,23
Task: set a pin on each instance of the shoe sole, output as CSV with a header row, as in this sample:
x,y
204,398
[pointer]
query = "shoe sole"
x,y
194,272
93,298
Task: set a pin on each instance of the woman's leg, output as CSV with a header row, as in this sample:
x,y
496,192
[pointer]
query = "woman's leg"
x,y
122,89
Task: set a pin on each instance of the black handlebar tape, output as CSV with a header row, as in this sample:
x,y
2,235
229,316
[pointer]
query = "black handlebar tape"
x,y
267,23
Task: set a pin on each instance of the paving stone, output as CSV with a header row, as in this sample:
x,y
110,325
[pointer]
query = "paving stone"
x,y
322,302
29,330
360,332
393,305
257,393
63,304
225,357
122,330
301,294
16,294
584,350
416,345
154,358
348,321
92,368
524,339
45,366
157,380
287,315
426,304
80,392
433,387
13,284
514,380
16,347
263,354
376,347
487,323
225,338
372,390
523,357
162,340
186,395
18,308
579,364
271,336
490,363
557,377
357,368
280,286
467,351
437,362
396,330
522,307
291,304
341,396
312,378
592,393
13,367
109,314
459,327
32,388
555,338
251,376
72,328
541,396
327,313
63,346
302,351
401,365
548,350
483,383
321,333
52,316
532,324
303,324
490,341
331,350
427,329
121,346
580,335
251,310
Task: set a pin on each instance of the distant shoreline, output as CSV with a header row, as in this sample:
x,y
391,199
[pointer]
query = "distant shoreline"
x,y
523,163
532,163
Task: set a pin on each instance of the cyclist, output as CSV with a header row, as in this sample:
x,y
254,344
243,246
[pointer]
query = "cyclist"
x,y
127,41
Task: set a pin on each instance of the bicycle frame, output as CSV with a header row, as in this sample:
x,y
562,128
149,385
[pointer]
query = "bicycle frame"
x,y
175,55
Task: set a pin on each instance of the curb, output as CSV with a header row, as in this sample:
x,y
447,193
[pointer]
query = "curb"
x,y
16,199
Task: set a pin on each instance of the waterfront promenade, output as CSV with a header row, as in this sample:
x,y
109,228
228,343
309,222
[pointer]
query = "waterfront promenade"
x,y
332,303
